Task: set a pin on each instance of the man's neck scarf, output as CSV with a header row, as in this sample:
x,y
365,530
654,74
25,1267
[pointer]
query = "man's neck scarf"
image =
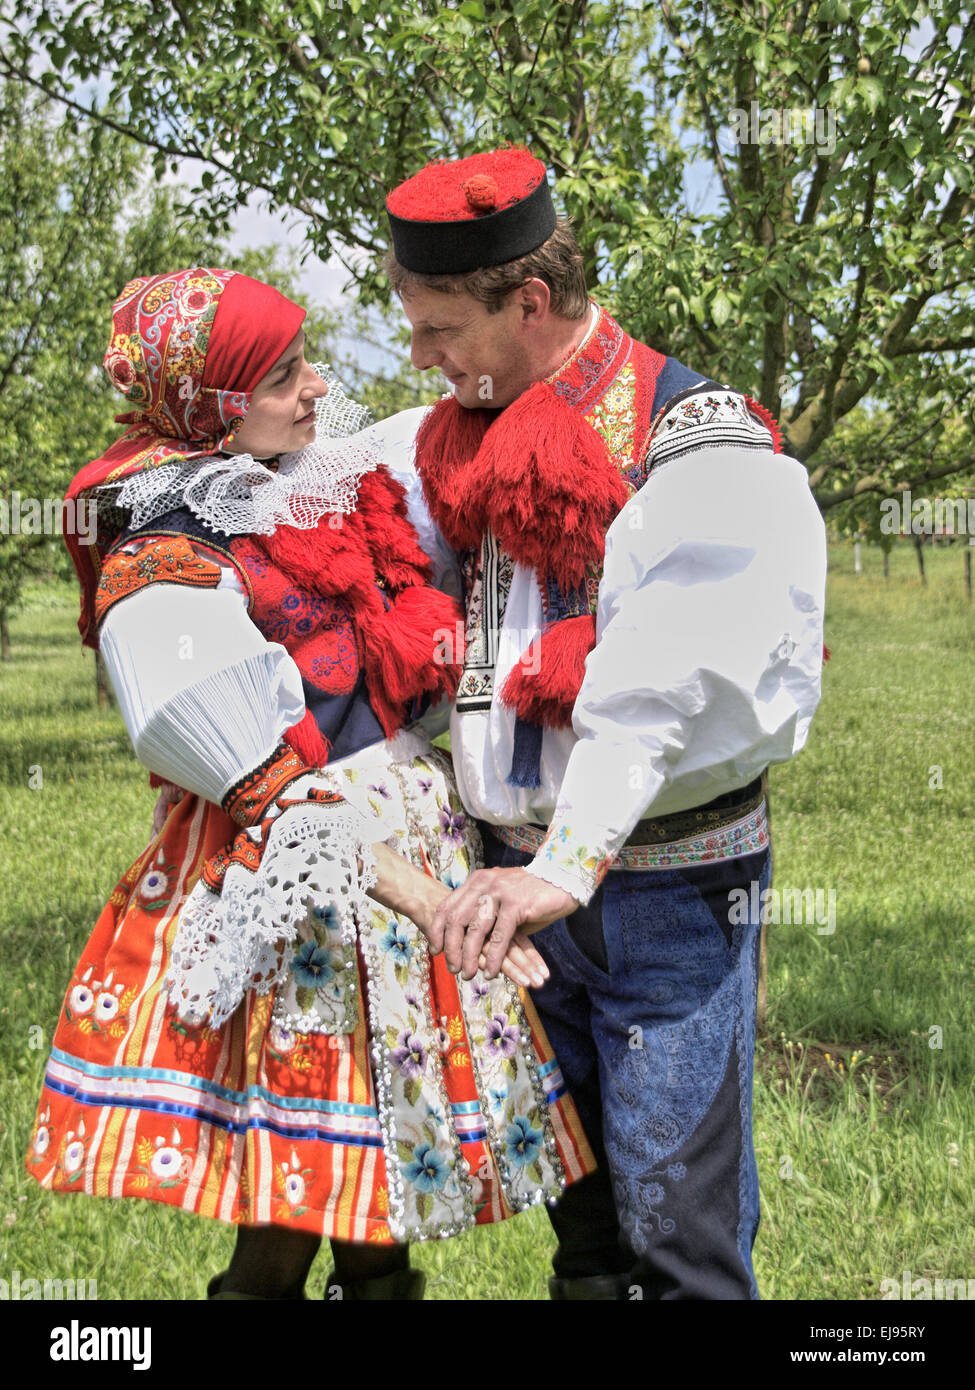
x,y
547,475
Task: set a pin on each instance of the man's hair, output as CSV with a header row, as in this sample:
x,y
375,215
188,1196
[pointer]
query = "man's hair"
x,y
557,261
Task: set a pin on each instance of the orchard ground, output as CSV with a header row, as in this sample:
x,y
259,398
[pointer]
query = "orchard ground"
x,y
863,1104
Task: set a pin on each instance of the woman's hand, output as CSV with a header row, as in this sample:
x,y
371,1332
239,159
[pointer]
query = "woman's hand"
x,y
169,796
404,888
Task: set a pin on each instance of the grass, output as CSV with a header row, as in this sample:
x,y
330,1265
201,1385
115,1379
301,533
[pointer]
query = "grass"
x,y
863,1102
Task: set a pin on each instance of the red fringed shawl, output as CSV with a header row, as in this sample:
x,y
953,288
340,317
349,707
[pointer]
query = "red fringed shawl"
x,y
544,476
370,561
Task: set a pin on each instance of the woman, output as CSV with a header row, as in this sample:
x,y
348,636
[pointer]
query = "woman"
x,y
247,1034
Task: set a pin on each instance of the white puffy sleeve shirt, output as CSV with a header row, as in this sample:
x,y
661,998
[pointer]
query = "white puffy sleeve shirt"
x,y
706,667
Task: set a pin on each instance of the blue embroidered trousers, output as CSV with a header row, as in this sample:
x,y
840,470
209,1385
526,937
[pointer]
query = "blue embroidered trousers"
x,y
651,1010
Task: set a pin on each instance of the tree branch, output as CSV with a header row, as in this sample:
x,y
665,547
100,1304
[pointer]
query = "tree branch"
x,y
876,482
933,344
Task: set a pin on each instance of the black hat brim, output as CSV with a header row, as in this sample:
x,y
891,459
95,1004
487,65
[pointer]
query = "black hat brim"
x,y
456,248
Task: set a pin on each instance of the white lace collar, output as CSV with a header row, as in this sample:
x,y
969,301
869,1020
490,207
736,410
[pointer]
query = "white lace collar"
x,y
238,495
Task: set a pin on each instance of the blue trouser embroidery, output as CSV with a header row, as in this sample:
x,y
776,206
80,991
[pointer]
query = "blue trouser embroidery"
x,y
651,1011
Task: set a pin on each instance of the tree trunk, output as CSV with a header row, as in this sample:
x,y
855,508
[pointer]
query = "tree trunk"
x,y
968,571
4,636
103,686
919,547
857,561
886,564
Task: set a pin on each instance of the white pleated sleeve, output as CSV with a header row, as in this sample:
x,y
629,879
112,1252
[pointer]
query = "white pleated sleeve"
x,y
708,657
205,697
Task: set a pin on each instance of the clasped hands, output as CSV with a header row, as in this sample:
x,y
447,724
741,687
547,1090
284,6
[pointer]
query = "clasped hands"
x,y
484,924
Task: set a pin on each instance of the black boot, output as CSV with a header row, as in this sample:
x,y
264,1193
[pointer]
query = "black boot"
x,y
402,1284
602,1286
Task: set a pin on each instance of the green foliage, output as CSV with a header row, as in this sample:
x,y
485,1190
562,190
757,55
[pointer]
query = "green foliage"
x,y
832,266
78,218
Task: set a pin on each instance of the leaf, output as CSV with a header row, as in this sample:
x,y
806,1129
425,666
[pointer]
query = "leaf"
x,y
872,91
720,309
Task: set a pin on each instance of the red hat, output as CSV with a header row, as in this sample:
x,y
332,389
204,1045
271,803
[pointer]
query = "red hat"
x,y
455,217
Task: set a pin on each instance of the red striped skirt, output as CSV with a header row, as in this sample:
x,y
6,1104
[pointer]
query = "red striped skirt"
x,y
442,1106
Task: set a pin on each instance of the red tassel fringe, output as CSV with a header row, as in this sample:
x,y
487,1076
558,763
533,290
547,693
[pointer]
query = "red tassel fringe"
x,y
538,474
308,741
401,653
768,420
551,507
543,687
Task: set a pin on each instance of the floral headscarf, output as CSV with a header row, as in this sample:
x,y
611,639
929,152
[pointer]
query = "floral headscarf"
x,y
187,349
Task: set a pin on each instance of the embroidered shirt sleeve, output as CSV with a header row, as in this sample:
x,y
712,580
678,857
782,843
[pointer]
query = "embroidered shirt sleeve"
x,y
249,799
708,656
704,419
164,560
567,861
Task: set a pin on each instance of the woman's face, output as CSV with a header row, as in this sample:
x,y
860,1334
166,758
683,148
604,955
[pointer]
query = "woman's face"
x,y
281,416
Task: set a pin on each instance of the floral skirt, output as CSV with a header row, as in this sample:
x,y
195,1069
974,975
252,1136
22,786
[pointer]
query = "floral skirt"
x,y
418,1105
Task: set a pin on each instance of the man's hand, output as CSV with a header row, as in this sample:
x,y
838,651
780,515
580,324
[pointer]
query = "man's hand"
x,y
404,888
479,919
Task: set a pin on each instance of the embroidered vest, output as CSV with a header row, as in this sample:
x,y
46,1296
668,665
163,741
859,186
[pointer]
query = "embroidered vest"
x,y
348,600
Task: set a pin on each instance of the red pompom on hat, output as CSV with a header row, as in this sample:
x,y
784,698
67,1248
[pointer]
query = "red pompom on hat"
x,y
457,216
481,193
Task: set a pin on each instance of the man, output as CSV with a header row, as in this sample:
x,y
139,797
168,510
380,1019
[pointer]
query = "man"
x,y
644,579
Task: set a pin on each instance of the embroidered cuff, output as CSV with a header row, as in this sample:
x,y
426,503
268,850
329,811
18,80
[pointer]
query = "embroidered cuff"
x,y
574,867
249,799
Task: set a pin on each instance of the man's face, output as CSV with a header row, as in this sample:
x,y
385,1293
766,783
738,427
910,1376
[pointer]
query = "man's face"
x,y
482,355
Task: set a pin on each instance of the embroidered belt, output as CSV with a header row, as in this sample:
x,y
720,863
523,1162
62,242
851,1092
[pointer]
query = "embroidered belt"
x,y
701,820
728,828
